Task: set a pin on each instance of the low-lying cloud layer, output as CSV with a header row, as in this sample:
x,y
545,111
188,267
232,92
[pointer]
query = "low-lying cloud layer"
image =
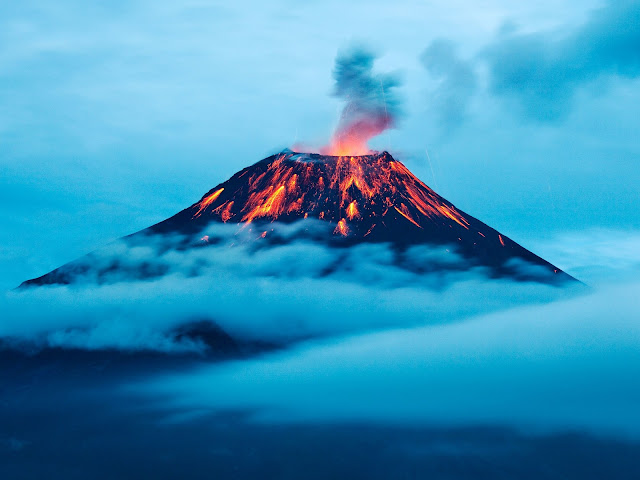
x,y
138,291
369,341
599,257
569,365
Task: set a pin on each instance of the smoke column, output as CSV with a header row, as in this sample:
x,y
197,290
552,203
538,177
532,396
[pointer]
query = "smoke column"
x,y
371,105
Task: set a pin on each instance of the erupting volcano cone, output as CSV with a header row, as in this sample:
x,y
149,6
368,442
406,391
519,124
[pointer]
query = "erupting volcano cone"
x,y
370,198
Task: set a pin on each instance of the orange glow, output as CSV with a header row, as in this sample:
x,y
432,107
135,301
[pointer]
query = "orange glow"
x,y
226,213
352,210
347,146
501,240
292,182
272,206
456,218
337,189
405,213
342,228
208,201
263,234
296,205
351,137
369,231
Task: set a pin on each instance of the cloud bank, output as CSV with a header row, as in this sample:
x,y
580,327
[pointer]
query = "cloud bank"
x,y
568,365
368,342
140,290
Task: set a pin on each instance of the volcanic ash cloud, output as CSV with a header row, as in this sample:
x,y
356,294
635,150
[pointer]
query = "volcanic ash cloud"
x,y
371,105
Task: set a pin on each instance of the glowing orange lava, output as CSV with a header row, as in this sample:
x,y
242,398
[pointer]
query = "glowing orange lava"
x,y
404,211
272,206
351,137
342,228
208,201
448,211
352,210
346,147
361,190
226,213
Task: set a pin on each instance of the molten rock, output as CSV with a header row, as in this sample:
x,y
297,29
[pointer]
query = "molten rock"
x,y
364,199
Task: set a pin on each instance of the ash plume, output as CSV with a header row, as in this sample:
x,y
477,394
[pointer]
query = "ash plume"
x,y
371,104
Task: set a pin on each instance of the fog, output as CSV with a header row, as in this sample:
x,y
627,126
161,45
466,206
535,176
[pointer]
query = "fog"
x,y
397,371
362,336
568,365
280,294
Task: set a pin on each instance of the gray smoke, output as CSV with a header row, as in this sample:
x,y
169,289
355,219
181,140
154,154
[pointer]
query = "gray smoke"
x,y
371,103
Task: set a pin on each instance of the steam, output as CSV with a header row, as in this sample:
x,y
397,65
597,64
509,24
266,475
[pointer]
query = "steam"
x,y
371,105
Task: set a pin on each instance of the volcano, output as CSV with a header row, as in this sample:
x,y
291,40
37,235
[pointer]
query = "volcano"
x,y
361,199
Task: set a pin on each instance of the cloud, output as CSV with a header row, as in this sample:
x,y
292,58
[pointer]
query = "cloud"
x,y
567,365
457,82
138,292
596,256
365,340
543,71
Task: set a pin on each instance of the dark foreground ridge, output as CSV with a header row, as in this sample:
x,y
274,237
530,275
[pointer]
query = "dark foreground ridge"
x,y
363,199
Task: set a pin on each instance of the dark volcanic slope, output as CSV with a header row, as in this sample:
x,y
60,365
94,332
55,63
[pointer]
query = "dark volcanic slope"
x,y
371,198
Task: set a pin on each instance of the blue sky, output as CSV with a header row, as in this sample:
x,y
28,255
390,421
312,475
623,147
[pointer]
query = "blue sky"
x,y
116,116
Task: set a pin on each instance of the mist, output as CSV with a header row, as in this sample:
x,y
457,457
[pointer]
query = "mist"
x,y
570,365
138,291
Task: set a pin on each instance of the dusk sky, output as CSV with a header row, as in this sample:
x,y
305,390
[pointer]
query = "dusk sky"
x,y
115,117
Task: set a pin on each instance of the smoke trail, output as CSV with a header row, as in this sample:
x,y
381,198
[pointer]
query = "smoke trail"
x,y
371,105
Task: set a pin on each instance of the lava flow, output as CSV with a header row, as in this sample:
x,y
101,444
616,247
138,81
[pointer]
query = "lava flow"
x,y
360,199
355,192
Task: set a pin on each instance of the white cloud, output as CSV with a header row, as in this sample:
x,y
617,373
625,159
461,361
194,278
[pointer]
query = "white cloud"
x,y
569,365
279,294
596,256
379,343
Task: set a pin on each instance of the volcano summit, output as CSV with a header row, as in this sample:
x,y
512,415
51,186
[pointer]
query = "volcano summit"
x,y
361,199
